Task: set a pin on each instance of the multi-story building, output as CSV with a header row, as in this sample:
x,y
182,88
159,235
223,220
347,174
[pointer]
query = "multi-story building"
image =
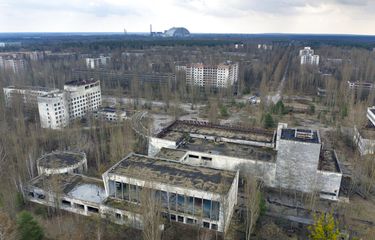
x,y
15,65
267,155
97,62
27,94
83,97
53,110
307,56
185,193
220,76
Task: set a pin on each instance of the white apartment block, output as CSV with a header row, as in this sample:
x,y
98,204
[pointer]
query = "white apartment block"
x,y
14,65
53,110
78,98
220,76
307,56
27,94
97,62
364,136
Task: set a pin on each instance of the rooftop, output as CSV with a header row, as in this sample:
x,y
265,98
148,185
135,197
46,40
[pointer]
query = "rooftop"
x,y
328,161
230,149
75,186
32,88
60,159
172,154
174,173
178,129
300,135
80,82
122,205
367,132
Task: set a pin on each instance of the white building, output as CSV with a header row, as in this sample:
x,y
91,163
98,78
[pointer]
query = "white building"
x,y
190,195
307,56
220,76
61,162
110,114
27,94
187,194
14,65
267,155
53,110
97,62
77,99
83,97
364,136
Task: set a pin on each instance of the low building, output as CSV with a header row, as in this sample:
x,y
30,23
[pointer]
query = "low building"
x,y
188,194
59,162
266,154
110,114
364,136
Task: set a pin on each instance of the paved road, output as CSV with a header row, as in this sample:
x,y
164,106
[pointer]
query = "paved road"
x,y
275,98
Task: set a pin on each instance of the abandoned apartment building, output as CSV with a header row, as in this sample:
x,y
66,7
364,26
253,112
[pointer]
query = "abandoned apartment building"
x,y
187,194
288,158
364,136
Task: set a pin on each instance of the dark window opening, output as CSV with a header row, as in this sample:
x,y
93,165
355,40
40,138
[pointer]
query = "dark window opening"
x,y
92,209
206,225
180,219
214,226
193,156
65,203
79,206
190,221
41,196
173,217
31,194
207,158
118,215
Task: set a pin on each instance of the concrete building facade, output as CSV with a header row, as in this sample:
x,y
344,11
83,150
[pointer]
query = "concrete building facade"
x,y
110,114
364,136
27,94
220,76
97,62
307,56
60,162
53,110
266,155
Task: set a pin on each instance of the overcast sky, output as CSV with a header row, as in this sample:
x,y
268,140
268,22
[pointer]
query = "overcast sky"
x,y
208,16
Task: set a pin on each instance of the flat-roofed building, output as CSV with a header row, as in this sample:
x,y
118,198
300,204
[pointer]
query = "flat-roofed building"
x,y
97,62
110,114
265,154
307,56
27,94
83,96
219,76
188,194
58,162
53,110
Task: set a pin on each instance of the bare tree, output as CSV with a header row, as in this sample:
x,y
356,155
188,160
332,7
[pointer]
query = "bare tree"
x,y
151,214
252,203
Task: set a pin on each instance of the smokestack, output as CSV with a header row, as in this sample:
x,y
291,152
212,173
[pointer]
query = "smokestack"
x,y
151,29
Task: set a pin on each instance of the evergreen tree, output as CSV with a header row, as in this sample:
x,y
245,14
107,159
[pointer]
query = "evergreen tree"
x,y
268,121
28,228
324,228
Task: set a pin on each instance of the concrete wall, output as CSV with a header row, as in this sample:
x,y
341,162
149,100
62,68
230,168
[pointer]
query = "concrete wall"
x,y
297,164
155,144
80,167
328,184
264,170
365,146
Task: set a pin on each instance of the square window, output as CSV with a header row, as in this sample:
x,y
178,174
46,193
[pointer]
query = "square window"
x,y
173,217
206,224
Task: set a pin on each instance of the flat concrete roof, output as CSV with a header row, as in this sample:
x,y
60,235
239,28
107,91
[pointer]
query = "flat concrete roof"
x,y
179,128
328,161
300,135
75,186
33,88
174,173
172,154
80,82
367,132
122,205
60,159
230,149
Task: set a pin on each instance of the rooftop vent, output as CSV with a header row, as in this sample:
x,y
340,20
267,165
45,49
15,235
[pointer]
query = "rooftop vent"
x,y
303,134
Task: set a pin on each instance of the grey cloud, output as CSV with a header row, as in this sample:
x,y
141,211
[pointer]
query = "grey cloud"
x,y
97,8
